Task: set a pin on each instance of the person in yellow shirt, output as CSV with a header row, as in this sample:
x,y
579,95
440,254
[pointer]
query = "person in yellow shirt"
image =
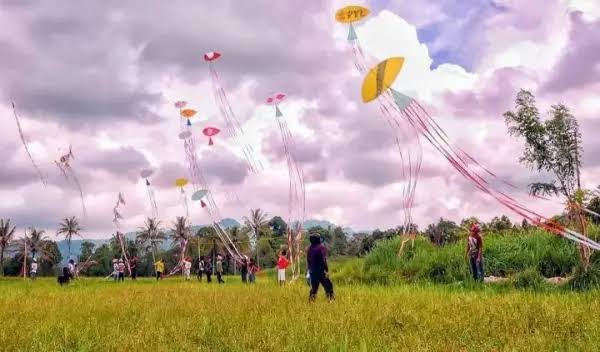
x,y
160,268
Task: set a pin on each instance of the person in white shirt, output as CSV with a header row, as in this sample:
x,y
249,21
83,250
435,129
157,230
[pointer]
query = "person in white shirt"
x,y
34,267
71,267
187,268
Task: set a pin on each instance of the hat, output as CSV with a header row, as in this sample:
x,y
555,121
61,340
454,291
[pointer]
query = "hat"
x,y
34,260
120,260
475,228
114,261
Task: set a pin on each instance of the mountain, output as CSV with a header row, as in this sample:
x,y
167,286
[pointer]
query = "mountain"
x,y
315,223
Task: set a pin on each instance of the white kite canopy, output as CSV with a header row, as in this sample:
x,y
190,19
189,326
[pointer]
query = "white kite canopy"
x,y
198,195
146,173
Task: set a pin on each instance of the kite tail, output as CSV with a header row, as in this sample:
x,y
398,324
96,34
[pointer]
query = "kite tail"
x,y
78,185
414,113
37,169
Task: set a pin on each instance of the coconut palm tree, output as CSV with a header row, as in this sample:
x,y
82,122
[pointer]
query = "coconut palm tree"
x,y
6,236
180,234
256,222
37,243
150,236
69,227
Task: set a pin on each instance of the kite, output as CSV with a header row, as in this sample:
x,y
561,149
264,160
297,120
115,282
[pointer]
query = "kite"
x,y
198,182
210,132
64,164
234,127
182,182
399,107
145,174
350,15
35,166
297,194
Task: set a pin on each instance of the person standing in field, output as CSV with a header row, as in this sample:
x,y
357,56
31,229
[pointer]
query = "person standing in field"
x,y
208,269
200,268
133,266
187,268
219,270
244,269
33,271
252,270
282,264
475,252
71,267
316,258
121,270
65,277
159,267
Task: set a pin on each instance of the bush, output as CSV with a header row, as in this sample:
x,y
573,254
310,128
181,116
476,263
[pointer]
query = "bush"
x,y
585,280
530,279
532,255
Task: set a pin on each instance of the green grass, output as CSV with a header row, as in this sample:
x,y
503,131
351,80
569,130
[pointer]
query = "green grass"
x,y
96,315
504,255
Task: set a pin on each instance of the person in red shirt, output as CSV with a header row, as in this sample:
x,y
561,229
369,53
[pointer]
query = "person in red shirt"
x,y
282,264
475,252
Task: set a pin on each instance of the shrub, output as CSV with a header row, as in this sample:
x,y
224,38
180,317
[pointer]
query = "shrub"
x,y
585,280
530,279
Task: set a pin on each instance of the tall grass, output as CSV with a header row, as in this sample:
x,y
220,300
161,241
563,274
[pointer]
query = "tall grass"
x,y
504,255
96,315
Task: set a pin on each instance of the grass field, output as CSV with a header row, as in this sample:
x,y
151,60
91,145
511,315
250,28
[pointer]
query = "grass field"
x,y
96,315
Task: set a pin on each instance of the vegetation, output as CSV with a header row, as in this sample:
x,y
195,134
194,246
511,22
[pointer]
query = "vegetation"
x,y
6,235
553,146
69,227
93,314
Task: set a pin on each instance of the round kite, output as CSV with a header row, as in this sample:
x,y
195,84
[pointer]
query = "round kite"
x,y
145,173
198,195
211,56
181,182
188,113
185,135
180,104
380,78
210,132
351,14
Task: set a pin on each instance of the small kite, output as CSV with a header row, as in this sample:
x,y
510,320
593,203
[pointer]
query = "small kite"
x,y
297,193
400,107
210,132
146,174
181,183
37,169
233,125
350,15
64,164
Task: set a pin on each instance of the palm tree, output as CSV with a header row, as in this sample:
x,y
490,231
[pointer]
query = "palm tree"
x,y
150,236
256,222
69,227
38,243
6,236
240,239
180,234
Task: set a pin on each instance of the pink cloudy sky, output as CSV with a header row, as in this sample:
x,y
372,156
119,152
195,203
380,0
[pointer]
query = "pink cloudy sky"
x,y
103,77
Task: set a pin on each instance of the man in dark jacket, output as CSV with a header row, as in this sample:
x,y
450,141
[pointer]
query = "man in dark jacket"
x,y
316,257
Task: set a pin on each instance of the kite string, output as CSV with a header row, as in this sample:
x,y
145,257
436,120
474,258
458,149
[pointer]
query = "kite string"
x,y
35,166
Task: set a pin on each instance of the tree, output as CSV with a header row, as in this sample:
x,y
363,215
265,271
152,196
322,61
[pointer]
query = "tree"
x,y
278,226
87,249
38,245
442,233
180,235
552,146
500,224
339,241
256,222
150,236
6,237
69,227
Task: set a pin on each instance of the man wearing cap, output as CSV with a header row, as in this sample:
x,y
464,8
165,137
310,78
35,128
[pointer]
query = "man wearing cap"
x,y
475,252
316,257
